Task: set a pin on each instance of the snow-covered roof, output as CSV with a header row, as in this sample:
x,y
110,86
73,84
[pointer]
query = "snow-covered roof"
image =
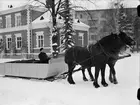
x,y
11,10
43,18
46,18
80,23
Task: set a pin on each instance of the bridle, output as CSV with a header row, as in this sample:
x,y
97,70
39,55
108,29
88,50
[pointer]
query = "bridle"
x,y
109,54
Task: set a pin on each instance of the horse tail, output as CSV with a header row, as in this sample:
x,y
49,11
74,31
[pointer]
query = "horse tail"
x,y
69,55
66,56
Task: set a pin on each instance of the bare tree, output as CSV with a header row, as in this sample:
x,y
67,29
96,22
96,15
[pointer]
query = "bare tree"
x,y
55,7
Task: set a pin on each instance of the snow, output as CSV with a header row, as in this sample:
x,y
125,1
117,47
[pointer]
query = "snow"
x,y
47,18
18,91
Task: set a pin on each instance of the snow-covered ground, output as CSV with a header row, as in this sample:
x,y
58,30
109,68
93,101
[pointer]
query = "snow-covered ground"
x,y
17,91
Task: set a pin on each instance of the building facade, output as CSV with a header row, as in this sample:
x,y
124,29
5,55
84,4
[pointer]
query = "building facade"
x,y
101,24
25,29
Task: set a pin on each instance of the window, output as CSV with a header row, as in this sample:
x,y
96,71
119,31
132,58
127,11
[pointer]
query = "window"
x,y
95,37
18,41
81,39
40,39
17,19
8,21
92,23
1,25
81,16
1,39
8,41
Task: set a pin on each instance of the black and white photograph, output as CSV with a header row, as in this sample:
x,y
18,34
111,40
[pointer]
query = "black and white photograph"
x,y
69,52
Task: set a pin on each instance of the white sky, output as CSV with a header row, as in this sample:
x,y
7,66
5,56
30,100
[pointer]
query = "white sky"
x,y
100,4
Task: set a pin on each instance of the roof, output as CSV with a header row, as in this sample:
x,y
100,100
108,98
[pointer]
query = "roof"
x,y
43,18
80,23
46,17
16,9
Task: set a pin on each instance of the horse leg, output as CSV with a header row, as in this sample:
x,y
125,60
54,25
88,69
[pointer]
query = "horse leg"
x,y
70,71
110,76
95,83
111,65
103,76
84,76
90,74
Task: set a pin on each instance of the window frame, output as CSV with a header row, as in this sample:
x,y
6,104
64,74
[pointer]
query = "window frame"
x,y
1,38
8,21
38,34
17,22
1,22
18,35
81,35
8,43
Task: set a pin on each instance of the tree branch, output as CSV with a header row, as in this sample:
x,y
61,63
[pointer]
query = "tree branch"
x,y
41,2
58,7
85,9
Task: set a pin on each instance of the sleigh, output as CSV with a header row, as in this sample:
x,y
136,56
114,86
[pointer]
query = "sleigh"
x,y
33,68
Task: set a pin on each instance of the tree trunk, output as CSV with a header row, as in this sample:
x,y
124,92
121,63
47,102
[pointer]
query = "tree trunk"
x,y
54,31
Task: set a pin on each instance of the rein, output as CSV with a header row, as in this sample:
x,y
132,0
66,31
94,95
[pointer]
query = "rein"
x,y
111,55
106,53
81,61
87,58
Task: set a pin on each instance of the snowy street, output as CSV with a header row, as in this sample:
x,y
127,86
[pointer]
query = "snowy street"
x,y
17,91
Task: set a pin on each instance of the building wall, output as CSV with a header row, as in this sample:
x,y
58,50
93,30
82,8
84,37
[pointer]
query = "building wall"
x,y
77,38
23,31
33,14
100,22
47,39
23,35
47,43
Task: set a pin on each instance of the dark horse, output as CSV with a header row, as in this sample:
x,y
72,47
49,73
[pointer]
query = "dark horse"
x,y
105,51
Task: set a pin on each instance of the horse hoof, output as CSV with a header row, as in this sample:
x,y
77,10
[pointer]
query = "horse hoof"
x,y
115,82
85,79
111,80
104,84
71,82
92,79
96,85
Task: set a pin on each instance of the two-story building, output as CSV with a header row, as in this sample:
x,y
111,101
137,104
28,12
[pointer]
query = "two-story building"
x,y
25,29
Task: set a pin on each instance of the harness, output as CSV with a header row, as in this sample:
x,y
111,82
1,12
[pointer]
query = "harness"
x,y
109,55
92,56
81,61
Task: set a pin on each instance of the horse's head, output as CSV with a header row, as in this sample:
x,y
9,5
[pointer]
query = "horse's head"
x,y
114,42
127,40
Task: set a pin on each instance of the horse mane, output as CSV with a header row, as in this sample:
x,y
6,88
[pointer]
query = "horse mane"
x,y
110,43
